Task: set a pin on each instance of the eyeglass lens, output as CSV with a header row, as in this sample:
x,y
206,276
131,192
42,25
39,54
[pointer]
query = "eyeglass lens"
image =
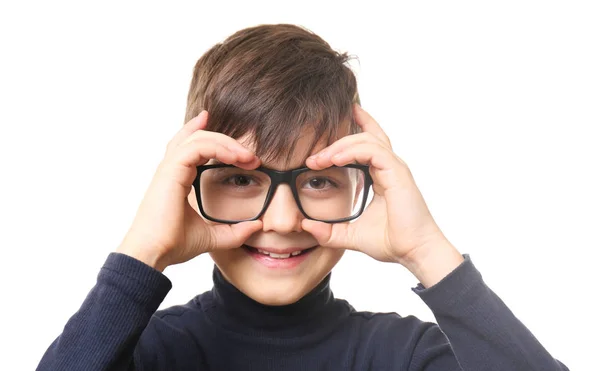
x,y
234,194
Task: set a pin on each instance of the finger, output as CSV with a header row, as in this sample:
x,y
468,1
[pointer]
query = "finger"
x,y
389,170
227,236
195,124
223,139
372,154
335,236
181,164
368,154
321,159
368,124
199,152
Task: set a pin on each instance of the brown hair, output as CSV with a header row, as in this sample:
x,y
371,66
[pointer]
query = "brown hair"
x,y
273,82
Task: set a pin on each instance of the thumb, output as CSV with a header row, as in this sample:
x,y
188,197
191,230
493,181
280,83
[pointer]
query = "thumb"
x,y
231,236
329,235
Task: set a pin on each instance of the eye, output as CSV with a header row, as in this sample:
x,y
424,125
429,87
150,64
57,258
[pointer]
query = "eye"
x,y
320,183
239,180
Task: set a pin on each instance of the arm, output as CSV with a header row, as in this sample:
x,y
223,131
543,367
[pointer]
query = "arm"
x,y
483,333
397,226
103,333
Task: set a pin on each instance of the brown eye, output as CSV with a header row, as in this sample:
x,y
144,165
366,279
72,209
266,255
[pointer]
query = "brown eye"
x,y
320,184
317,183
239,180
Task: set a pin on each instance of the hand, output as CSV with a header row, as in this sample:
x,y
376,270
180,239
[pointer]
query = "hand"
x,y
397,225
166,229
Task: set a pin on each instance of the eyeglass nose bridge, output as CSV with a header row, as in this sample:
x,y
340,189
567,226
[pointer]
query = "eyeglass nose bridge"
x,y
279,177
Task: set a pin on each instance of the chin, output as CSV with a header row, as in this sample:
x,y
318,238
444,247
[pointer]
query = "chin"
x,y
275,287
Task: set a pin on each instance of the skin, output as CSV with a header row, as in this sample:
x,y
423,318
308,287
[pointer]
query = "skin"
x,y
167,230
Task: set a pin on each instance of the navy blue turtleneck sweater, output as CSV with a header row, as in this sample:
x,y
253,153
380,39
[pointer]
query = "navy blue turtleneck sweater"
x,y
118,327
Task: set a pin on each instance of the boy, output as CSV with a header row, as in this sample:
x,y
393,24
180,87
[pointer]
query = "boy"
x,y
270,176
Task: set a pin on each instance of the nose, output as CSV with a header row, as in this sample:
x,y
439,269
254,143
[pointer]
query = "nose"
x,y
282,215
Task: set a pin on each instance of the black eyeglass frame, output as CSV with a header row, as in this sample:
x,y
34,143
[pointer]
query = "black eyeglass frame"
x,y
284,177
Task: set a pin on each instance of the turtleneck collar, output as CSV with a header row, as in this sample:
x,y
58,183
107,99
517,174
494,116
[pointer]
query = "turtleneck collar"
x,y
236,311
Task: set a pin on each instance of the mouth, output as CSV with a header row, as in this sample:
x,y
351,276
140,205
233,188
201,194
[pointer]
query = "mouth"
x,y
279,255
279,260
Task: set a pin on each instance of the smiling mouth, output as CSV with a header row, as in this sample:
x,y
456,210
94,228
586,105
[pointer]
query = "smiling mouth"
x,y
278,256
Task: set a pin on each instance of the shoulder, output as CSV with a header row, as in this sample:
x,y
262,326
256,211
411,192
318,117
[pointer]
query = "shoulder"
x,y
168,339
384,338
180,314
384,322
390,329
390,326
174,323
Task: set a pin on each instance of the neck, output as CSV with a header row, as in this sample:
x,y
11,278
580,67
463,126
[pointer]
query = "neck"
x,y
238,312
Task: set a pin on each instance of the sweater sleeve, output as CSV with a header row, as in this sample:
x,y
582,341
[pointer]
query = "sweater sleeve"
x,y
104,332
481,333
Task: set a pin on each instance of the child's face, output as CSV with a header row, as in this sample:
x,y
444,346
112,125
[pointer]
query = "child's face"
x,y
282,228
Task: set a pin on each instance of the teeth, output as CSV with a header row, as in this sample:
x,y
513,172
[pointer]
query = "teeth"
x,y
279,256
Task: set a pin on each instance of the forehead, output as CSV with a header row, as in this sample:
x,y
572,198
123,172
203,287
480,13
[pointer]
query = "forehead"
x,y
303,149
305,146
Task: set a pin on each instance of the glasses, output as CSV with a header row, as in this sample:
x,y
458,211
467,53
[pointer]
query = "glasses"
x,y
228,194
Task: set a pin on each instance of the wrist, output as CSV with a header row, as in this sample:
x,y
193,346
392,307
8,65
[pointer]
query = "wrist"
x,y
431,263
145,255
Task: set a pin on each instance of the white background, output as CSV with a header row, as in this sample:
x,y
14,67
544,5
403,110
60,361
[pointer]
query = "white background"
x,y
493,105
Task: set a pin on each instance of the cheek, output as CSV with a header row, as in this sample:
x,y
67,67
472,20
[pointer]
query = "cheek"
x,y
332,257
229,261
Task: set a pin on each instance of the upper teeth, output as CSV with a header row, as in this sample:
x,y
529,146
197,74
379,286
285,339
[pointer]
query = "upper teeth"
x,y
279,256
